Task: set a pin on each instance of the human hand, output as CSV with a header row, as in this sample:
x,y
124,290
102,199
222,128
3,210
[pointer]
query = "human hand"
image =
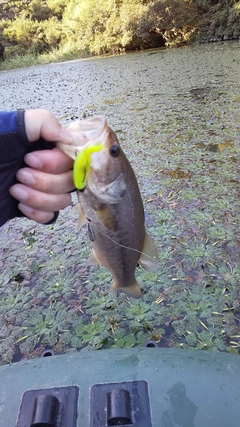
x,y
44,185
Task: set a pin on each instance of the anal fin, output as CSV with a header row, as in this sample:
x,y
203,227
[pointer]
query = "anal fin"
x,y
93,260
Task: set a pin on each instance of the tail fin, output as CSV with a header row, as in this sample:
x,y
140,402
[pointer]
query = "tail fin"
x,y
133,290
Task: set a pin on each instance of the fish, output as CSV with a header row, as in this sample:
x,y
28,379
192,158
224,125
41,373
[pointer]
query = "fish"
x,y
110,204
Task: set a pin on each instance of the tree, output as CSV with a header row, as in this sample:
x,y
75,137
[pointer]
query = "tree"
x,y
175,20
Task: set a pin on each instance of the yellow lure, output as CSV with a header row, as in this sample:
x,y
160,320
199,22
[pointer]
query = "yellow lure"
x,y
82,165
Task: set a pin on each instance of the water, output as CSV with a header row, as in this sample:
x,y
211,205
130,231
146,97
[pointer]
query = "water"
x,y
176,113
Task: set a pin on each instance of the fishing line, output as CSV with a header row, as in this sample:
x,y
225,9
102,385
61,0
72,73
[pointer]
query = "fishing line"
x,y
127,247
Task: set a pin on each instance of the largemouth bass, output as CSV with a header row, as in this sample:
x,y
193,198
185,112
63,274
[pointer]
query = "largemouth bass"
x,y
111,205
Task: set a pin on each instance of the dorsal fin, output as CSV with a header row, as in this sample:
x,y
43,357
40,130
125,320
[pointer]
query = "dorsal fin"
x,y
149,257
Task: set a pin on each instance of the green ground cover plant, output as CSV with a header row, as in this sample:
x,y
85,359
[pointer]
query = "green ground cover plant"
x,y
176,113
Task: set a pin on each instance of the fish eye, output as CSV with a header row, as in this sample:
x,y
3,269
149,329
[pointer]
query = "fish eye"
x,y
114,150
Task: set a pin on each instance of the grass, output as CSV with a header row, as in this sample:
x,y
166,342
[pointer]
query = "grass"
x,y
30,59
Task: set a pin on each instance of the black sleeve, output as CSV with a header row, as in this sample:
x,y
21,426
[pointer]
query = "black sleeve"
x,y
14,145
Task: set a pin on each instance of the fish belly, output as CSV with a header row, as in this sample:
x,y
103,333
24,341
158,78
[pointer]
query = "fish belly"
x,y
119,236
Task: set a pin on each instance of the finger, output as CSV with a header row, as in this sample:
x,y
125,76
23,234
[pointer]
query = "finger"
x,y
51,161
42,123
38,200
46,182
35,215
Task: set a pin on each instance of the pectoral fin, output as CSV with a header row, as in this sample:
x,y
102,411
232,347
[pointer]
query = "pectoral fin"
x,y
149,256
107,217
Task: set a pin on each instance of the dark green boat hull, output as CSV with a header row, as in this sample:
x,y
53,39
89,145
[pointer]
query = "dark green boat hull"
x,y
186,388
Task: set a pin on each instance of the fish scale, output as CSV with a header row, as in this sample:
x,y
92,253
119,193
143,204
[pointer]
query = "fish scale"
x,y
113,253
111,203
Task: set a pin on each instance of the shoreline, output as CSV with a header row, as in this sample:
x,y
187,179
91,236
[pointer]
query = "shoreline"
x,y
222,39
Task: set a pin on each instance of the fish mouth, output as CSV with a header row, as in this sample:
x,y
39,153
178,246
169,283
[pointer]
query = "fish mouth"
x,y
111,193
91,130
85,133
